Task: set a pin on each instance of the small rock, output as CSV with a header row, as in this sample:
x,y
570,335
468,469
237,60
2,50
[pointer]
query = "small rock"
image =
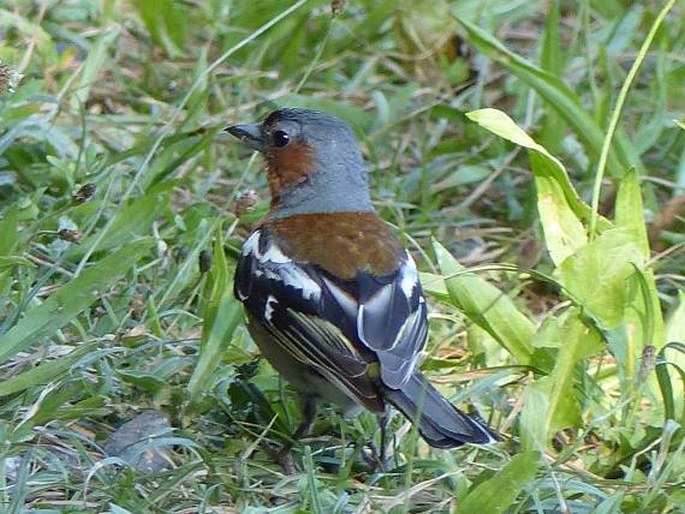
x,y
131,442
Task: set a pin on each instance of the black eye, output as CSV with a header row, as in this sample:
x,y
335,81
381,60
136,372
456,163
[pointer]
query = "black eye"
x,y
280,138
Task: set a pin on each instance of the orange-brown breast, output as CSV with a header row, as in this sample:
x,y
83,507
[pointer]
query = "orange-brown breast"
x,y
341,243
288,165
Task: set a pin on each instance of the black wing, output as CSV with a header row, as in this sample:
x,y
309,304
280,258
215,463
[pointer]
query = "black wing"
x,y
341,328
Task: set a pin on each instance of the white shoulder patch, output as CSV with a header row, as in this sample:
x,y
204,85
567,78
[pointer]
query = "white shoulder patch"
x,y
275,265
251,244
274,254
294,276
409,276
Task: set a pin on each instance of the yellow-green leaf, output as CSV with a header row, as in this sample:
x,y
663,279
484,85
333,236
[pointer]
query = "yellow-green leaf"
x,y
487,306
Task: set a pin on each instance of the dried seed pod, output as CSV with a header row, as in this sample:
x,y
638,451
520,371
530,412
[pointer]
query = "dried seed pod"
x,y
337,7
9,79
67,234
205,261
84,193
245,201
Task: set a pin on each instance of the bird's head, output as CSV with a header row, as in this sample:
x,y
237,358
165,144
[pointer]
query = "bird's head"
x,y
313,162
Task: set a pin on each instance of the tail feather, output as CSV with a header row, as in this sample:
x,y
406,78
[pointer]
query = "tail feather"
x,y
440,423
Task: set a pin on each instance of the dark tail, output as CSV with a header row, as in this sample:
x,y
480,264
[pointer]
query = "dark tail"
x,y
441,424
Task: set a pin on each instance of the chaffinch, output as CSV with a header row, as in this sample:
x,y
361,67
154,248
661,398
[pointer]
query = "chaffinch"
x,y
333,300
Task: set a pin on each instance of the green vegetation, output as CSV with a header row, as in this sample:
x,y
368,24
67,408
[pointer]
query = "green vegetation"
x,y
550,237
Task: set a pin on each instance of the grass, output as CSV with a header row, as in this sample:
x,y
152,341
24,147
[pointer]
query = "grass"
x,y
532,156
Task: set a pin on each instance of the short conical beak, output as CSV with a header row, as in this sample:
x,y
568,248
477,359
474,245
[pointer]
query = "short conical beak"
x,y
250,134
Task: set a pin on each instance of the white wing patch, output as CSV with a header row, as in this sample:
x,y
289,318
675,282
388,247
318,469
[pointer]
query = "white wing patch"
x,y
274,254
271,302
409,276
345,300
251,245
292,275
377,306
275,265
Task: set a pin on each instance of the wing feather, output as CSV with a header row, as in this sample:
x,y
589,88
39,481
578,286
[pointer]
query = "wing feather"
x,y
340,328
392,321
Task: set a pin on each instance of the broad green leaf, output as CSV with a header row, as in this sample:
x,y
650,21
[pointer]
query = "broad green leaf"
x,y
607,280
560,407
486,306
564,406
498,493
434,284
534,428
561,210
559,97
222,314
564,231
596,274
69,300
629,213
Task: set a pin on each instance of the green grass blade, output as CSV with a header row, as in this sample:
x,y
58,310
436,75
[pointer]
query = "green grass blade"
x,y
70,299
613,120
552,60
222,314
670,397
132,219
497,494
95,62
558,97
46,371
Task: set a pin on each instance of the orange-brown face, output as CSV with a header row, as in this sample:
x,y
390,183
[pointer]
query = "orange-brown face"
x,y
289,157
313,162
287,165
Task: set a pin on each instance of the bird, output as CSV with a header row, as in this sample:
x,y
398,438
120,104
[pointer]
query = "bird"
x,y
332,298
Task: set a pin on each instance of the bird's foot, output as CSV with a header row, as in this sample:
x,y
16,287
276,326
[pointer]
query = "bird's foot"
x,y
375,459
282,455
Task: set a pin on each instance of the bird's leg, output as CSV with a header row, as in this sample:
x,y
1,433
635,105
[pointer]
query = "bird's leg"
x,y
309,416
284,455
377,460
384,419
